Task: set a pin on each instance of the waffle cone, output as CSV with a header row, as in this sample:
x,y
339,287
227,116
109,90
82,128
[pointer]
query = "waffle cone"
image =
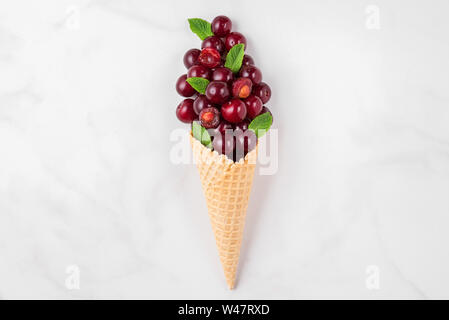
x,y
226,186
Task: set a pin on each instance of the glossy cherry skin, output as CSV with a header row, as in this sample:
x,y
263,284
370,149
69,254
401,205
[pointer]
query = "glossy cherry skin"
x,y
234,111
247,60
253,106
183,87
199,71
191,57
209,57
223,74
217,92
185,112
234,38
251,72
221,26
224,144
214,43
200,103
263,91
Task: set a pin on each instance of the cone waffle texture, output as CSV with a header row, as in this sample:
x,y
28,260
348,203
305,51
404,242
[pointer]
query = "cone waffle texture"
x,y
226,186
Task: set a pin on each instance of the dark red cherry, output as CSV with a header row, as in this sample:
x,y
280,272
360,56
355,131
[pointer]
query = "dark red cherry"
x,y
199,71
200,103
223,74
217,92
191,57
185,112
214,43
183,87
253,106
263,91
251,72
247,60
221,26
234,38
234,111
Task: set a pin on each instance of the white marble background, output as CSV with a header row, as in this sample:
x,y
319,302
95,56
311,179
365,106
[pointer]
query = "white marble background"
x,y
87,104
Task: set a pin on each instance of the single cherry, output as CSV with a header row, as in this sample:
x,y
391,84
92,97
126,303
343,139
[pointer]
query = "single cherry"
x,y
215,43
185,112
183,87
209,57
217,92
263,91
223,74
234,111
210,117
247,60
234,38
191,57
241,88
221,26
253,106
251,72
200,103
198,71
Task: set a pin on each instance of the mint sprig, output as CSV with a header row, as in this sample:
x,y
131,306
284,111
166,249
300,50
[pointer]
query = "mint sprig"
x,y
200,27
234,58
200,133
199,84
261,124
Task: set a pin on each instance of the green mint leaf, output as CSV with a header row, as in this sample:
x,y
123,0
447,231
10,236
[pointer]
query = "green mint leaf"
x,y
235,57
261,124
199,84
201,28
200,133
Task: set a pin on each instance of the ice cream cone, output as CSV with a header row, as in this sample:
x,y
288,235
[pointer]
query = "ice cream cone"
x,y
226,186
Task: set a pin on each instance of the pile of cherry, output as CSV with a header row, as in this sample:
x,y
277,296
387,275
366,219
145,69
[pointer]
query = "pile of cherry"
x,y
231,100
